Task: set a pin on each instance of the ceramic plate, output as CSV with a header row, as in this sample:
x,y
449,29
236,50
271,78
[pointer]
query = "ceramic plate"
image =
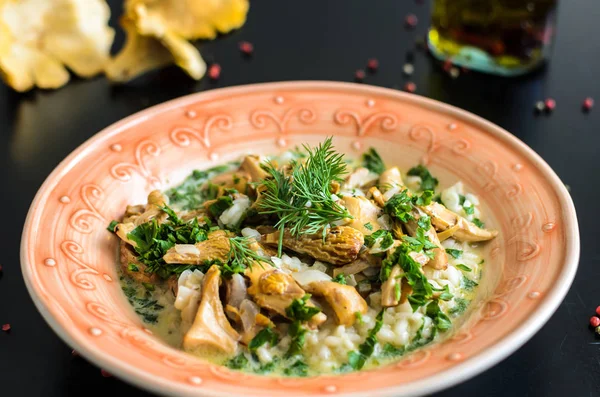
x,y
69,259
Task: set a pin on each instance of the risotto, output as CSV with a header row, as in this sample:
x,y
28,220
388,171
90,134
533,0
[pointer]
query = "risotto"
x,y
303,263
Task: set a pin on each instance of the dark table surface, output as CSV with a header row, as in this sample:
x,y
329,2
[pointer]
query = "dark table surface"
x,y
322,41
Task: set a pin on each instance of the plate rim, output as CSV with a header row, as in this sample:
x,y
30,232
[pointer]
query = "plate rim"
x,y
452,376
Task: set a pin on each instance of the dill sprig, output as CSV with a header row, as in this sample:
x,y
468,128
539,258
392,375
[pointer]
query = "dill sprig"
x,y
302,199
241,256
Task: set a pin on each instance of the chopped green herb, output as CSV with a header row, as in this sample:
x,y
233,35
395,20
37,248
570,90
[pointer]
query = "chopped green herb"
x,y
298,334
463,267
148,286
299,310
132,267
298,368
399,206
456,254
368,226
428,182
266,335
424,199
340,279
460,305
218,207
385,238
359,317
397,292
268,367
440,319
446,295
238,362
422,290
112,226
357,359
373,162
468,284
152,241
469,209
478,223
390,350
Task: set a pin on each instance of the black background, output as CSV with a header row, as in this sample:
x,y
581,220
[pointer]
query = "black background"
x,y
322,40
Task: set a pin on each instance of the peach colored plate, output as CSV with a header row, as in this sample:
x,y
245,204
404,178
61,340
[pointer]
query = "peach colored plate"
x,y
68,257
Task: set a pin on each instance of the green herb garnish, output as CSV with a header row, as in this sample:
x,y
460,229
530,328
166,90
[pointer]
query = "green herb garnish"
x,y
299,310
469,209
241,256
464,268
373,162
266,335
357,359
368,226
219,206
238,362
298,368
460,305
112,226
385,238
478,223
456,254
340,279
132,267
428,182
468,284
440,319
302,199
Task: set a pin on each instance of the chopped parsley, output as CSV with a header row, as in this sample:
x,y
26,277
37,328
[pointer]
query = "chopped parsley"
x,y
460,306
357,359
424,199
368,226
298,368
112,226
478,223
219,206
299,312
467,284
373,162
340,279
456,254
469,208
132,267
464,268
399,206
195,190
385,238
440,319
446,295
428,182
266,335
152,241
238,362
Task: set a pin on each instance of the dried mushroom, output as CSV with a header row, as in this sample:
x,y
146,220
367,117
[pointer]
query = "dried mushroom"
x,y
158,32
40,39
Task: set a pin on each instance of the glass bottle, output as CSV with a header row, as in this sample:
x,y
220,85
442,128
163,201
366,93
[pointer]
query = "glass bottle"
x,y
505,37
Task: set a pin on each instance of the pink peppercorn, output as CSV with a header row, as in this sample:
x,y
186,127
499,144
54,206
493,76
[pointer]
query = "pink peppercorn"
x,y
410,86
6,327
598,310
214,71
373,64
588,103
550,104
105,373
594,321
411,20
246,47
359,75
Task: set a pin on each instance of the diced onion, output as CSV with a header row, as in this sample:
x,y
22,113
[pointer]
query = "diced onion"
x,y
186,249
306,277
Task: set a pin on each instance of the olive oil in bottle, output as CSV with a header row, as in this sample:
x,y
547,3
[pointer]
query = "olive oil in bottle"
x,y
505,37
